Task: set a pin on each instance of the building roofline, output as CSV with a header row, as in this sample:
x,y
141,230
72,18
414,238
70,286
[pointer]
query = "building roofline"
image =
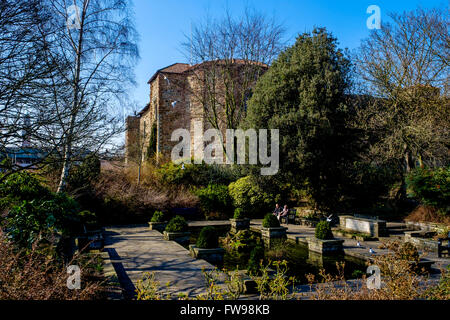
x,y
162,70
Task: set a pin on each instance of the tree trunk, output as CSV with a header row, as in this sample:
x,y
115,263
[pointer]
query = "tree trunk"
x,y
65,170
75,105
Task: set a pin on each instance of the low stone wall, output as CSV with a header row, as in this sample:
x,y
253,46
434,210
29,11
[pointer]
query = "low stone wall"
x,y
427,226
374,228
421,243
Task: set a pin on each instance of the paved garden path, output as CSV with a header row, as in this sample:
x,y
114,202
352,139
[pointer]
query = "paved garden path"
x,y
134,250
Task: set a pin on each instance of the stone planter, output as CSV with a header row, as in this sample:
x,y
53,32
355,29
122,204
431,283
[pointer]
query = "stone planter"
x,y
374,228
325,246
158,226
214,255
314,258
422,241
179,237
273,235
239,224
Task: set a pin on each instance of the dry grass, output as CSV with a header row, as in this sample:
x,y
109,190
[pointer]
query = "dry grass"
x,y
121,184
35,275
427,214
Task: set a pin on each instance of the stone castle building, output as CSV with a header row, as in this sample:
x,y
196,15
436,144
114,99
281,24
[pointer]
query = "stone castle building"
x,y
180,95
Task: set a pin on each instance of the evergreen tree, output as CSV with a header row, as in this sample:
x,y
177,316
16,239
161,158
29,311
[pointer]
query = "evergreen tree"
x,y
303,95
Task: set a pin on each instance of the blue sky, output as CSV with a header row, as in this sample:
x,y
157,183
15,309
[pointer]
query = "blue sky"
x,y
163,23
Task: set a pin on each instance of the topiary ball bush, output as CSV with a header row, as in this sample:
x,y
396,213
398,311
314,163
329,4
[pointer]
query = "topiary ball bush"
x,y
323,231
177,224
208,238
270,221
158,216
239,213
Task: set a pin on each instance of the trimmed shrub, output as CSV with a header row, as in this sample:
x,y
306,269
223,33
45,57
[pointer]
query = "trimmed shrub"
x,y
270,221
214,198
323,231
431,187
248,195
177,224
208,238
239,213
158,216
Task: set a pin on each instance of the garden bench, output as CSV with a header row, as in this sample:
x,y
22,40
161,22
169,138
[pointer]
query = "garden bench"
x,y
443,248
290,217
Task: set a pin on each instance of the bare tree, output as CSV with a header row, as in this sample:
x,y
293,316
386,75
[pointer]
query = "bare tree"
x,y
24,72
405,65
229,55
94,48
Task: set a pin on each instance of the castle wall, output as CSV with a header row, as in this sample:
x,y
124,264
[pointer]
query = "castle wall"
x,y
132,138
189,91
172,117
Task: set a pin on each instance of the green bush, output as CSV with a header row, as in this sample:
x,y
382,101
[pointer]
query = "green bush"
x,y
214,198
177,224
158,216
208,238
323,231
33,210
22,186
270,221
430,187
239,213
200,175
254,263
248,195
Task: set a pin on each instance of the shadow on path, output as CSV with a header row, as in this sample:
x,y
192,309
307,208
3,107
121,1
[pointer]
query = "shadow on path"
x,y
124,280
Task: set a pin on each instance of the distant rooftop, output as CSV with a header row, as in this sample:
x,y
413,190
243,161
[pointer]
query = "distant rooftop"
x,y
183,67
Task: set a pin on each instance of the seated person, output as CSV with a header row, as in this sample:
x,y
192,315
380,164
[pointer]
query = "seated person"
x,y
277,210
283,213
